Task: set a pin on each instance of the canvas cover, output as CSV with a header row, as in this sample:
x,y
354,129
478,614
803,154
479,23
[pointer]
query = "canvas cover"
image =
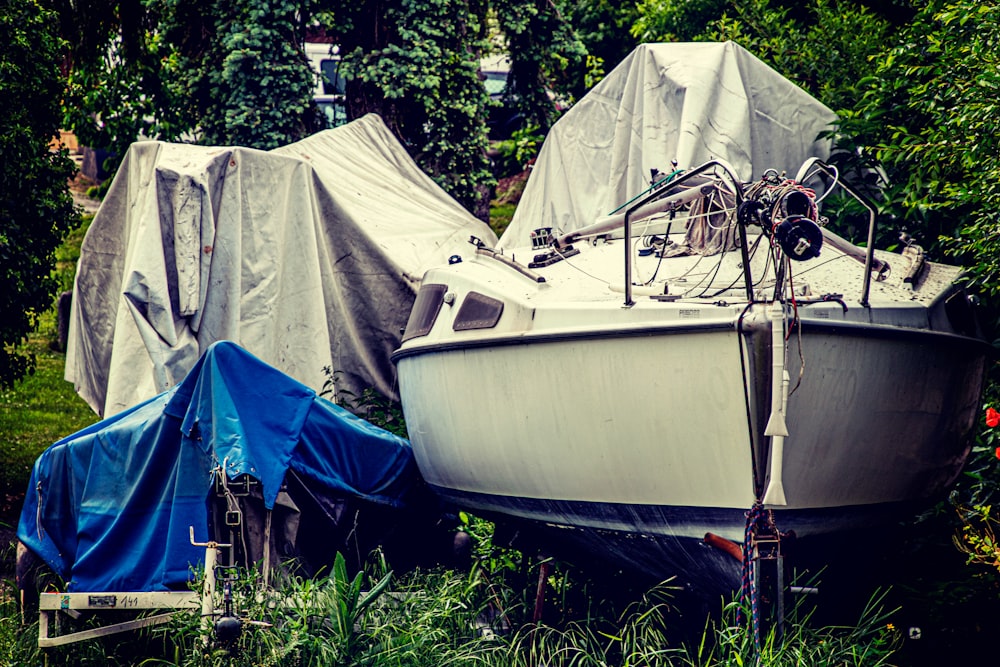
x,y
309,256
108,508
687,102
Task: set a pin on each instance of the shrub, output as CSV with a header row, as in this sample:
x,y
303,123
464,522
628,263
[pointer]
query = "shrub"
x,y
36,209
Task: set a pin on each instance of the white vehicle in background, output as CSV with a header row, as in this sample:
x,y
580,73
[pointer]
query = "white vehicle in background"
x,y
330,83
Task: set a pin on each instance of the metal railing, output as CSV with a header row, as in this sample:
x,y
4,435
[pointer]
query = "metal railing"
x,y
659,201
804,173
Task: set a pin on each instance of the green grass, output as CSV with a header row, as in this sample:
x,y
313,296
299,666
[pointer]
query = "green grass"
x,y
38,411
500,216
445,617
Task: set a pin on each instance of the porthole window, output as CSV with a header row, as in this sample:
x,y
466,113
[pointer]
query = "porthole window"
x,y
478,311
425,311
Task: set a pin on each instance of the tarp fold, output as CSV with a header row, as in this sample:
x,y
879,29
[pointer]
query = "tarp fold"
x,y
682,103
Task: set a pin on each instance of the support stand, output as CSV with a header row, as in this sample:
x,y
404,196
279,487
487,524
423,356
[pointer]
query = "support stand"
x,y
769,585
544,569
763,575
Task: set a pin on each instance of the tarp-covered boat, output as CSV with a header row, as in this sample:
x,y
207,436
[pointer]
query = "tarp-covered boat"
x,y
238,450
309,256
656,364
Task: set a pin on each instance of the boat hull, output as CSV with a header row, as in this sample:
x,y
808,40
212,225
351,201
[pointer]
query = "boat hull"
x,y
525,421
881,415
636,444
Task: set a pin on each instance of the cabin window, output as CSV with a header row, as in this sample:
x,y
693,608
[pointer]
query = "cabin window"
x,y
425,311
478,311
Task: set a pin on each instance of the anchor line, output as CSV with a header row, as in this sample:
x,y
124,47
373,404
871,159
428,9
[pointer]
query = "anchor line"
x,y
758,520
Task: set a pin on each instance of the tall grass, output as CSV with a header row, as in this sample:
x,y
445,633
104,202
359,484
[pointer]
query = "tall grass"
x,y
41,409
447,617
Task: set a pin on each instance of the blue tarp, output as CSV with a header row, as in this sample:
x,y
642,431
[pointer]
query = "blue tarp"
x,y
108,508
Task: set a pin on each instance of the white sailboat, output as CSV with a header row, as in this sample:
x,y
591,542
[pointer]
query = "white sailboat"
x,y
708,350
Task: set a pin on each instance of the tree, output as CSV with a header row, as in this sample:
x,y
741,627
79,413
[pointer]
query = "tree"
x,y
36,209
825,46
114,64
234,74
542,45
238,71
604,30
416,65
928,119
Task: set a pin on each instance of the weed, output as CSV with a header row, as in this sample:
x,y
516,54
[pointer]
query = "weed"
x,y
370,405
426,619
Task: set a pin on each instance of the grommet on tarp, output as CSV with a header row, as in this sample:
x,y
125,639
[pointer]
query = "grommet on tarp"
x,y
455,259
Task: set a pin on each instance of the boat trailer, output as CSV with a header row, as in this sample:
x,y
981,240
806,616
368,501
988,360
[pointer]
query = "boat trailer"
x,y
52,606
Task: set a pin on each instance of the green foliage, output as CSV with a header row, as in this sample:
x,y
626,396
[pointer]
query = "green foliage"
x,y
226,73
500,217
492,558
36,209
925,120
436,618
519,150
603,28
978,490
326,617
16,645
637,636
595,71
675,20
35,413
42,408
364,619
825,46
420,73
543,46
978,536
112,100
948,167
248,83
872,642
371,406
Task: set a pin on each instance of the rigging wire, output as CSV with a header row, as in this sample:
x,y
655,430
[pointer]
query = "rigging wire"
x,y
750,254
572,265
688,219
797,323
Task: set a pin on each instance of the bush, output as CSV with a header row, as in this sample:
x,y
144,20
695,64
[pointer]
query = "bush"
x,y
36,209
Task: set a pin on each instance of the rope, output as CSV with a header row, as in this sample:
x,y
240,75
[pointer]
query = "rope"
x,y
756,520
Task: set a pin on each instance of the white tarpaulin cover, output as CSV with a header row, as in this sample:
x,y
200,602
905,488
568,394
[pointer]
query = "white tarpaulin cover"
x,y
687,102
308,256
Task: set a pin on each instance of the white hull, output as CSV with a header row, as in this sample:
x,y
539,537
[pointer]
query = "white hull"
x,y
662,419
611,435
